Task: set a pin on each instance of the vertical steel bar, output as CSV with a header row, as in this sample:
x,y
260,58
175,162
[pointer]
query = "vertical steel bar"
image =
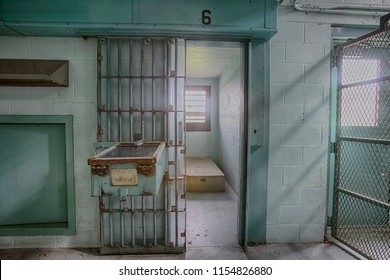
x,y
108,97
166,185
142,105
99,92
132,222
154,220
131,117
332,142
122,226
166,74
119,91
168,46
143,221
101,223
176,148
153,92
110,222
335,214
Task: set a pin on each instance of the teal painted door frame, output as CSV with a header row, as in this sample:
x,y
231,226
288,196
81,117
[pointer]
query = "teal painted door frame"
x,y
257,144
249,19
332,137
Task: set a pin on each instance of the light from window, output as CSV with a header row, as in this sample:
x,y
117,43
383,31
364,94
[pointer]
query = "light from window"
x,y
197,99
195,106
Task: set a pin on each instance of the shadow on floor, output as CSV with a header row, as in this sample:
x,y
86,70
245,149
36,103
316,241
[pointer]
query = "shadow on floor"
x,y
211,235
294,251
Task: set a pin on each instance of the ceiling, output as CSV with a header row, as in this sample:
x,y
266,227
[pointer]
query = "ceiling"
x,y
208,59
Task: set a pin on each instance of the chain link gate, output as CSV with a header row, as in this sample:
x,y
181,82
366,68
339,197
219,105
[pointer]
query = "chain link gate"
x,y
140,97
361,204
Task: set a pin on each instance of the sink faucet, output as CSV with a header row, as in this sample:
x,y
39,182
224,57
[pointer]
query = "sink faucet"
x,y
139,143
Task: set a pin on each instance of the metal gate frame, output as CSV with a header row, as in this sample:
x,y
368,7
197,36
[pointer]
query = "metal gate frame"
x,y
140,96
361,144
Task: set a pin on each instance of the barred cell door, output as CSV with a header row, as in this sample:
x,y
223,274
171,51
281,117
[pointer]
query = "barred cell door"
x,y
140,99
361,203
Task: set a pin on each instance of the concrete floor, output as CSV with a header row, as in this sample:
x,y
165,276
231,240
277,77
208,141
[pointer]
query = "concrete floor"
x,y
211,235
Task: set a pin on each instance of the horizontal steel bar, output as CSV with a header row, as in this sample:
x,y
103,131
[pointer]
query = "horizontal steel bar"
x,y
367,82
139,77
140,249
365,198
102,109
365,140
141,211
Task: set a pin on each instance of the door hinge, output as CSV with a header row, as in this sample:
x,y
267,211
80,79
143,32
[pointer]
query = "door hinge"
x,y
333,147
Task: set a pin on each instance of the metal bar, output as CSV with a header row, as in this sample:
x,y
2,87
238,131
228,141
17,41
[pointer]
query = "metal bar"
x,y
335,214
99,94
119,91
176,148
140,211
365,140
108,92
146,77
131,121
101,223
110,222
122,224
153,92
143,222
365,198
367,82
132,222
154,220
332,139
138,111
166,214
142,105
166,53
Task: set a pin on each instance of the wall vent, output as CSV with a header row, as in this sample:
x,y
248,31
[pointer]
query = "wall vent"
x,y
34,73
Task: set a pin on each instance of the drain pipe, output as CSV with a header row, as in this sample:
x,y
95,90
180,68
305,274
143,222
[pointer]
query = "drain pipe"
x,y
363,10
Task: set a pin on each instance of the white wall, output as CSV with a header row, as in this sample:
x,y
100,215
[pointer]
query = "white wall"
x,y
79,99
299,124
231,122
205,143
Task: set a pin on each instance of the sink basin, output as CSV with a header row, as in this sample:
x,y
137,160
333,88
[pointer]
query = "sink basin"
x,y
128,169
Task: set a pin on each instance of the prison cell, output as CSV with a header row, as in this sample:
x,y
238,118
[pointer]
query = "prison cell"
x,y
362,183
140,99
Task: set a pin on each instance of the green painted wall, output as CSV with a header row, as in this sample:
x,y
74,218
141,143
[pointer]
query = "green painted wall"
x,y
255,18
37,184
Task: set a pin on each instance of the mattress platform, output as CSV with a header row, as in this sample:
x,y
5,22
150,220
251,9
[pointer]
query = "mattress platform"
x,y
203,175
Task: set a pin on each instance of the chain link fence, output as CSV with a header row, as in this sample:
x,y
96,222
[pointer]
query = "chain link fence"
x,y
362,184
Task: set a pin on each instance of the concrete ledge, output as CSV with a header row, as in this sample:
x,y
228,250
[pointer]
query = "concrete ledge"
x,y
203,175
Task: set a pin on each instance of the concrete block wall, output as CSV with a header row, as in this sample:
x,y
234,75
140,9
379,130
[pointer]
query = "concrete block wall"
x,y
79,100
230,123
299,123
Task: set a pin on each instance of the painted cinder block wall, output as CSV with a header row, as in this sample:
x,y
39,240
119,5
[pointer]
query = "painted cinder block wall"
x,y
299,123
79,100
230,127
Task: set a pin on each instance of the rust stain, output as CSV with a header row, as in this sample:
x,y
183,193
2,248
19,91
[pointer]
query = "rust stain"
x,y
100,170
146,170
